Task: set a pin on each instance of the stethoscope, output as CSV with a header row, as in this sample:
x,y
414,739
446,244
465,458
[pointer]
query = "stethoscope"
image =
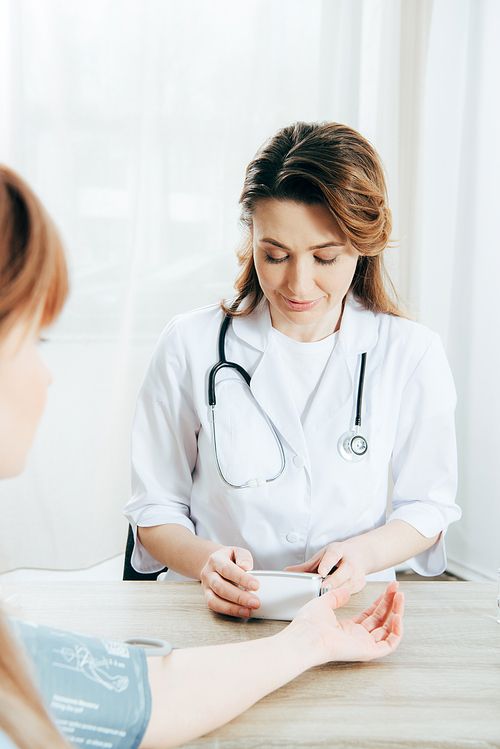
x,y
352,445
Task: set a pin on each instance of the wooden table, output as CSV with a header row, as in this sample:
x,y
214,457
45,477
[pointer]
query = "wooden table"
x,y
440,689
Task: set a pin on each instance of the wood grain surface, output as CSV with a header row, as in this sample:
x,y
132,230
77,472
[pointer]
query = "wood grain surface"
x,y
440,689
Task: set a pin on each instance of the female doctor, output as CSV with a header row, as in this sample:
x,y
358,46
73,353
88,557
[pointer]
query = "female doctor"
x,y
283,461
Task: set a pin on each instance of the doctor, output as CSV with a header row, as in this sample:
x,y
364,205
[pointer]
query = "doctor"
x,y
292,470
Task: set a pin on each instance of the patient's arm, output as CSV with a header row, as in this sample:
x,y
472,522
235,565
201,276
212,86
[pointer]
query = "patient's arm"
x,y
198,689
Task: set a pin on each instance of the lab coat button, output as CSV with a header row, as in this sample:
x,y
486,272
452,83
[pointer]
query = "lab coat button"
x,y
292,538
299,461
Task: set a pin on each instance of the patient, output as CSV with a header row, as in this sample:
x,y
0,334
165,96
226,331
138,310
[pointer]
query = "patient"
x,y
159,701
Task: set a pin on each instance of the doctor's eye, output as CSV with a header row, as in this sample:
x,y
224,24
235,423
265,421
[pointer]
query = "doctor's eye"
x,y
326,261
271,259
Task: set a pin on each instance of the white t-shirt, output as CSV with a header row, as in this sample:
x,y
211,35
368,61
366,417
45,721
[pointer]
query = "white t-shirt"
x,y
304,364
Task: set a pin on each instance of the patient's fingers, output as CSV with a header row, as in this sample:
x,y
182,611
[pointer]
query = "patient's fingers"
x,y
380,606
385,627
384,608
389,641
360,618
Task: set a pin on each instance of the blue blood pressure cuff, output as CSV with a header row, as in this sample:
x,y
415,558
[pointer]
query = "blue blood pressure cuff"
x,y
97,691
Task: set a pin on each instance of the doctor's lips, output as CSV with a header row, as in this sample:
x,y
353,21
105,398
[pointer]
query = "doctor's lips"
x,y
301,306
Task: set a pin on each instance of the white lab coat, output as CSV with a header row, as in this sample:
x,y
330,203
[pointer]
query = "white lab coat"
x,y
408,417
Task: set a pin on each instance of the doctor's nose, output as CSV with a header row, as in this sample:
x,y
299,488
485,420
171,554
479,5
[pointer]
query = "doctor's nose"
x,y
300,280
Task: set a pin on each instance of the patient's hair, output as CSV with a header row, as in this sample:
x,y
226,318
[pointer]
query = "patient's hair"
x,y
33,287
332,165
33,273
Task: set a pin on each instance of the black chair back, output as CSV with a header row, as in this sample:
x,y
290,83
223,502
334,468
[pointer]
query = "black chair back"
x,y
128,571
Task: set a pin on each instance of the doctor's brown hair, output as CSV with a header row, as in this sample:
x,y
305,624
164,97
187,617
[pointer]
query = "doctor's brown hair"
x,y
33,273
33,287
332,165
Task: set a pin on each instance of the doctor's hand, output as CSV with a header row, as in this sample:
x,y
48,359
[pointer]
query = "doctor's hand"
x,y
375,632
349,560
226,569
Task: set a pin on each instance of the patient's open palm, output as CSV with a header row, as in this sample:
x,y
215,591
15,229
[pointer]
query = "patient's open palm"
x,y
374,633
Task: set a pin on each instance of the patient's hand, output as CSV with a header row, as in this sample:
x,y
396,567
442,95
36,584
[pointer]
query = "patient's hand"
x,y
373,633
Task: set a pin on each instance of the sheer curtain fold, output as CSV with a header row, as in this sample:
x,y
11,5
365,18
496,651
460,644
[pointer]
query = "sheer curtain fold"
x,y
457,254
135,121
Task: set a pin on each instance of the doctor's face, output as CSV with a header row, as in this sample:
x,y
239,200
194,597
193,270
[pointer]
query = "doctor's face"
x,y
24,379
305,265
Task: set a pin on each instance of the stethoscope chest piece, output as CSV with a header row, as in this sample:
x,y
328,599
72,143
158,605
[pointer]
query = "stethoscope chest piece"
x,y
353,446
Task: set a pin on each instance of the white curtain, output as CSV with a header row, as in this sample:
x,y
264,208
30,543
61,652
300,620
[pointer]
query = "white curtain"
x,y
135,121
456,263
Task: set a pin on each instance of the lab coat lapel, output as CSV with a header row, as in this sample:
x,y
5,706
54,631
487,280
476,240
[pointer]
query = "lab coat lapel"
x,y
269,383
358,333
334,391
272,391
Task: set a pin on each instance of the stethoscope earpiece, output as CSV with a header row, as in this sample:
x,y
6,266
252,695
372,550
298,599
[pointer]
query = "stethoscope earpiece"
x,y
353,446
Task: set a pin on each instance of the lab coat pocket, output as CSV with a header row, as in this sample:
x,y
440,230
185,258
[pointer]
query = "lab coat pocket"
x,y
247,448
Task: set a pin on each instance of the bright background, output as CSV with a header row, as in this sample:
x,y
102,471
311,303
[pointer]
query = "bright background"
x,y
134,122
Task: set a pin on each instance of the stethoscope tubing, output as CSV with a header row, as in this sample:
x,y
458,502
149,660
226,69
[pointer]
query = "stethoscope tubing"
x,y
361,386
252,483
212,402
223,362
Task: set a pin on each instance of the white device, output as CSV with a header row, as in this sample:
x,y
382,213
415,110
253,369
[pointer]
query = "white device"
x,y
282,594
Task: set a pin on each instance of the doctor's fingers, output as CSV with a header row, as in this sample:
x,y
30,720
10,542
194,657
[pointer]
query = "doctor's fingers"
x,y
329,558
225,598
243,558
305,567
310,566
347,573
227,563
229,573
